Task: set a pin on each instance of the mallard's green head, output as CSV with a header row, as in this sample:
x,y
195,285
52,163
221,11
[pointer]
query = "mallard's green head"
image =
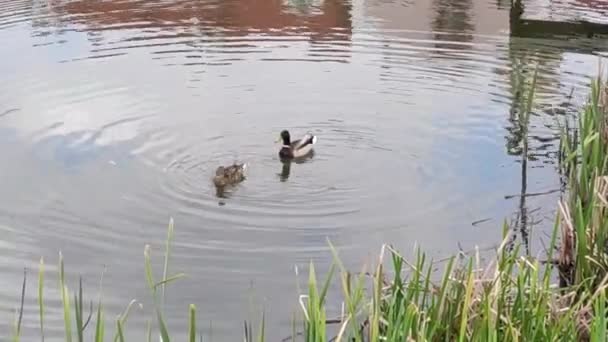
x,y
286,137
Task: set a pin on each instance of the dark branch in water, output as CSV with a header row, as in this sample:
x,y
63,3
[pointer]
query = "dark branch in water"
x,y
290,338
22,301
7,112
474,223
334,321
532,194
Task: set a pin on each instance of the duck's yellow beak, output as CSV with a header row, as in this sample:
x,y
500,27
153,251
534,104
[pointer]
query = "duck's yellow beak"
x,y
278,139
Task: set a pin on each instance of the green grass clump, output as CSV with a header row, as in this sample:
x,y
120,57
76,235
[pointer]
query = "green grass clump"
x,y
584,254
512,298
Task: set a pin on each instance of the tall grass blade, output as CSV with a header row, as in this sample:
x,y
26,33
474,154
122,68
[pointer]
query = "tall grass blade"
x,y
149,331
19,318
467,302
192,326
41,297
121,336
326,284
164,334
599,331
22,302
78,312
100,319
170,231
262,336
246,332
100,325
124,316
65,298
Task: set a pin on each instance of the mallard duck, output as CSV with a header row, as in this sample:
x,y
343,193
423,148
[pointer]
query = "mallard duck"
x,y
298,148
229,175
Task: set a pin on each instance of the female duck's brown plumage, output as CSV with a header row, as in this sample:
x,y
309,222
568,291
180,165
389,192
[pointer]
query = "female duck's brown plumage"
x,y
296,149
229,175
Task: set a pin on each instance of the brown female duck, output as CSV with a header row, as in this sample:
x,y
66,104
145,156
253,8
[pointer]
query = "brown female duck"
x,y
229,175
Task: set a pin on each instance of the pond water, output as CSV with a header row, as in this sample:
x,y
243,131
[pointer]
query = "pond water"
x,y
115,114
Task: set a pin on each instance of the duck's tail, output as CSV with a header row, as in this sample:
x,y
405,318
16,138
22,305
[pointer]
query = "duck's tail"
x,y
310,138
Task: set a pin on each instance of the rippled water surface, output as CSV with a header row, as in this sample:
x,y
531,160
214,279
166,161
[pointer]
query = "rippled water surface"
x,y
115,114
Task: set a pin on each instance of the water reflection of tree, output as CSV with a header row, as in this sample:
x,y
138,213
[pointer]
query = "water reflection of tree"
x,y
524,134
524,55
503,4
454,19
44,20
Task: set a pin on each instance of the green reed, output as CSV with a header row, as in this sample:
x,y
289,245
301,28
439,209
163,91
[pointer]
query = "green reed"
x,y
585,163
510,298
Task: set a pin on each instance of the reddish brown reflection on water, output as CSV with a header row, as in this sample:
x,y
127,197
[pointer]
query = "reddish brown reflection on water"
x,y
329,19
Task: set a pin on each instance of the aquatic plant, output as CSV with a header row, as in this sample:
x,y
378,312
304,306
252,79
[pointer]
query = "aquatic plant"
x,y
511,298
584,254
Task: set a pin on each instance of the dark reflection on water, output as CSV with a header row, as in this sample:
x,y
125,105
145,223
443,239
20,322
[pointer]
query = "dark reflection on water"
x,y
568,10
285,170
331,20
244,15
286,165
115,114
454,17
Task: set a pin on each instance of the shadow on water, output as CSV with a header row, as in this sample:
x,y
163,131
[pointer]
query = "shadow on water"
x,y
285,170
286,165
225,192
222,193
521,26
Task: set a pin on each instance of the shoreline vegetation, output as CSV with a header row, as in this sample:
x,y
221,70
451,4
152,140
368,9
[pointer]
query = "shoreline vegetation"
x,y
511,297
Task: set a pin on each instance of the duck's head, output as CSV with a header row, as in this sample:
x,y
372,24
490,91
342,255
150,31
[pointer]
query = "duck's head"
x,y
285,137
220,171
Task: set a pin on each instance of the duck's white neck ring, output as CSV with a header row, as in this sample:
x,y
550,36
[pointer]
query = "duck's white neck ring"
x,y
286,146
